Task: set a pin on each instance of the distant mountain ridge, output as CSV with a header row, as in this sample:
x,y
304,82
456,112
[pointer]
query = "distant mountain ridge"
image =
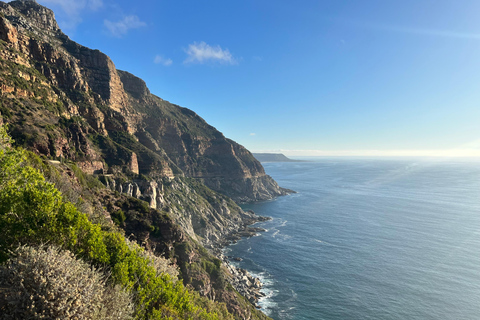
x,y
273,157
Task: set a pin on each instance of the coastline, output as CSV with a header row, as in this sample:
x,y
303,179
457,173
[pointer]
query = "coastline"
x,y
241,279
245,283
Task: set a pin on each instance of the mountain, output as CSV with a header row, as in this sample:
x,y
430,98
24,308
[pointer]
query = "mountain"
x,y
76,83
69,104
273,157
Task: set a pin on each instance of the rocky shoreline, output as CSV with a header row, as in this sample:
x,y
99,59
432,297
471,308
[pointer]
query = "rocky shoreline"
x,y
247,285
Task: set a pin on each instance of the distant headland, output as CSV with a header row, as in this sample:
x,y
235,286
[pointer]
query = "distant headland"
x,y
273,157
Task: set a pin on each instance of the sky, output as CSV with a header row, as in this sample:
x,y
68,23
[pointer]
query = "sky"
x,y
305,78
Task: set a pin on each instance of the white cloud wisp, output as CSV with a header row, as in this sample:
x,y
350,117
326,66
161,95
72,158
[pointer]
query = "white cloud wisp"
x,y
418,31
121,27
202,53
73,9
163,61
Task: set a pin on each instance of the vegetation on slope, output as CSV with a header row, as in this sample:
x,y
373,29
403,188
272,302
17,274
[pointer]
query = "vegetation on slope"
x,y
48,283
33,212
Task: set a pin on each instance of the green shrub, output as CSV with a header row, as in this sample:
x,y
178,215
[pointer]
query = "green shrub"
x,y
47,283
33,211
118,217
161,264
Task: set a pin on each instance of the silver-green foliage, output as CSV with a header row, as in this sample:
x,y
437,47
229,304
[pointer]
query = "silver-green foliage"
x,y
47,283
161,265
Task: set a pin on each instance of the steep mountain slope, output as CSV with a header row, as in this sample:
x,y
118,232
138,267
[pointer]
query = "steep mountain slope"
x,y
66,101
77,81
69,103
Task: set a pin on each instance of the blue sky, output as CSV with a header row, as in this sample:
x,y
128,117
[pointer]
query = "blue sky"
x,y
336,77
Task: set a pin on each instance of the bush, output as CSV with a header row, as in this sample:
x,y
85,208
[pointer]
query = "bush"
x,y
118,217
47,283
161,264
33,211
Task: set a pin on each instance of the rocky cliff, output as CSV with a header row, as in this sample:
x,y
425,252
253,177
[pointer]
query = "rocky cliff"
x,y
69,103
66,101
77,81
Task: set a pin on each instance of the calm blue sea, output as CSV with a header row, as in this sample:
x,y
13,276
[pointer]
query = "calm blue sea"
x,y
369,239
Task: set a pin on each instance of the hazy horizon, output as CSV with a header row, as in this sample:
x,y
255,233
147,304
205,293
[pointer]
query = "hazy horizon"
x,y
467,153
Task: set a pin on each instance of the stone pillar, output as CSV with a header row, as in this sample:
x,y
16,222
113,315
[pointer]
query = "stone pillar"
x,y
133,164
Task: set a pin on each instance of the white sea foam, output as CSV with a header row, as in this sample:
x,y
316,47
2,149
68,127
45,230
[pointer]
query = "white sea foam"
x,y
267,302
323,242
284,237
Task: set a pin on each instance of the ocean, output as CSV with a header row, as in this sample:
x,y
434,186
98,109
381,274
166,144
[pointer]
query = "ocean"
x,y
369,239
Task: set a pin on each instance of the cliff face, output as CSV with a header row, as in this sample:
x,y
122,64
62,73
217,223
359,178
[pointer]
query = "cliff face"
x,y
66,101
197,148
82,82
